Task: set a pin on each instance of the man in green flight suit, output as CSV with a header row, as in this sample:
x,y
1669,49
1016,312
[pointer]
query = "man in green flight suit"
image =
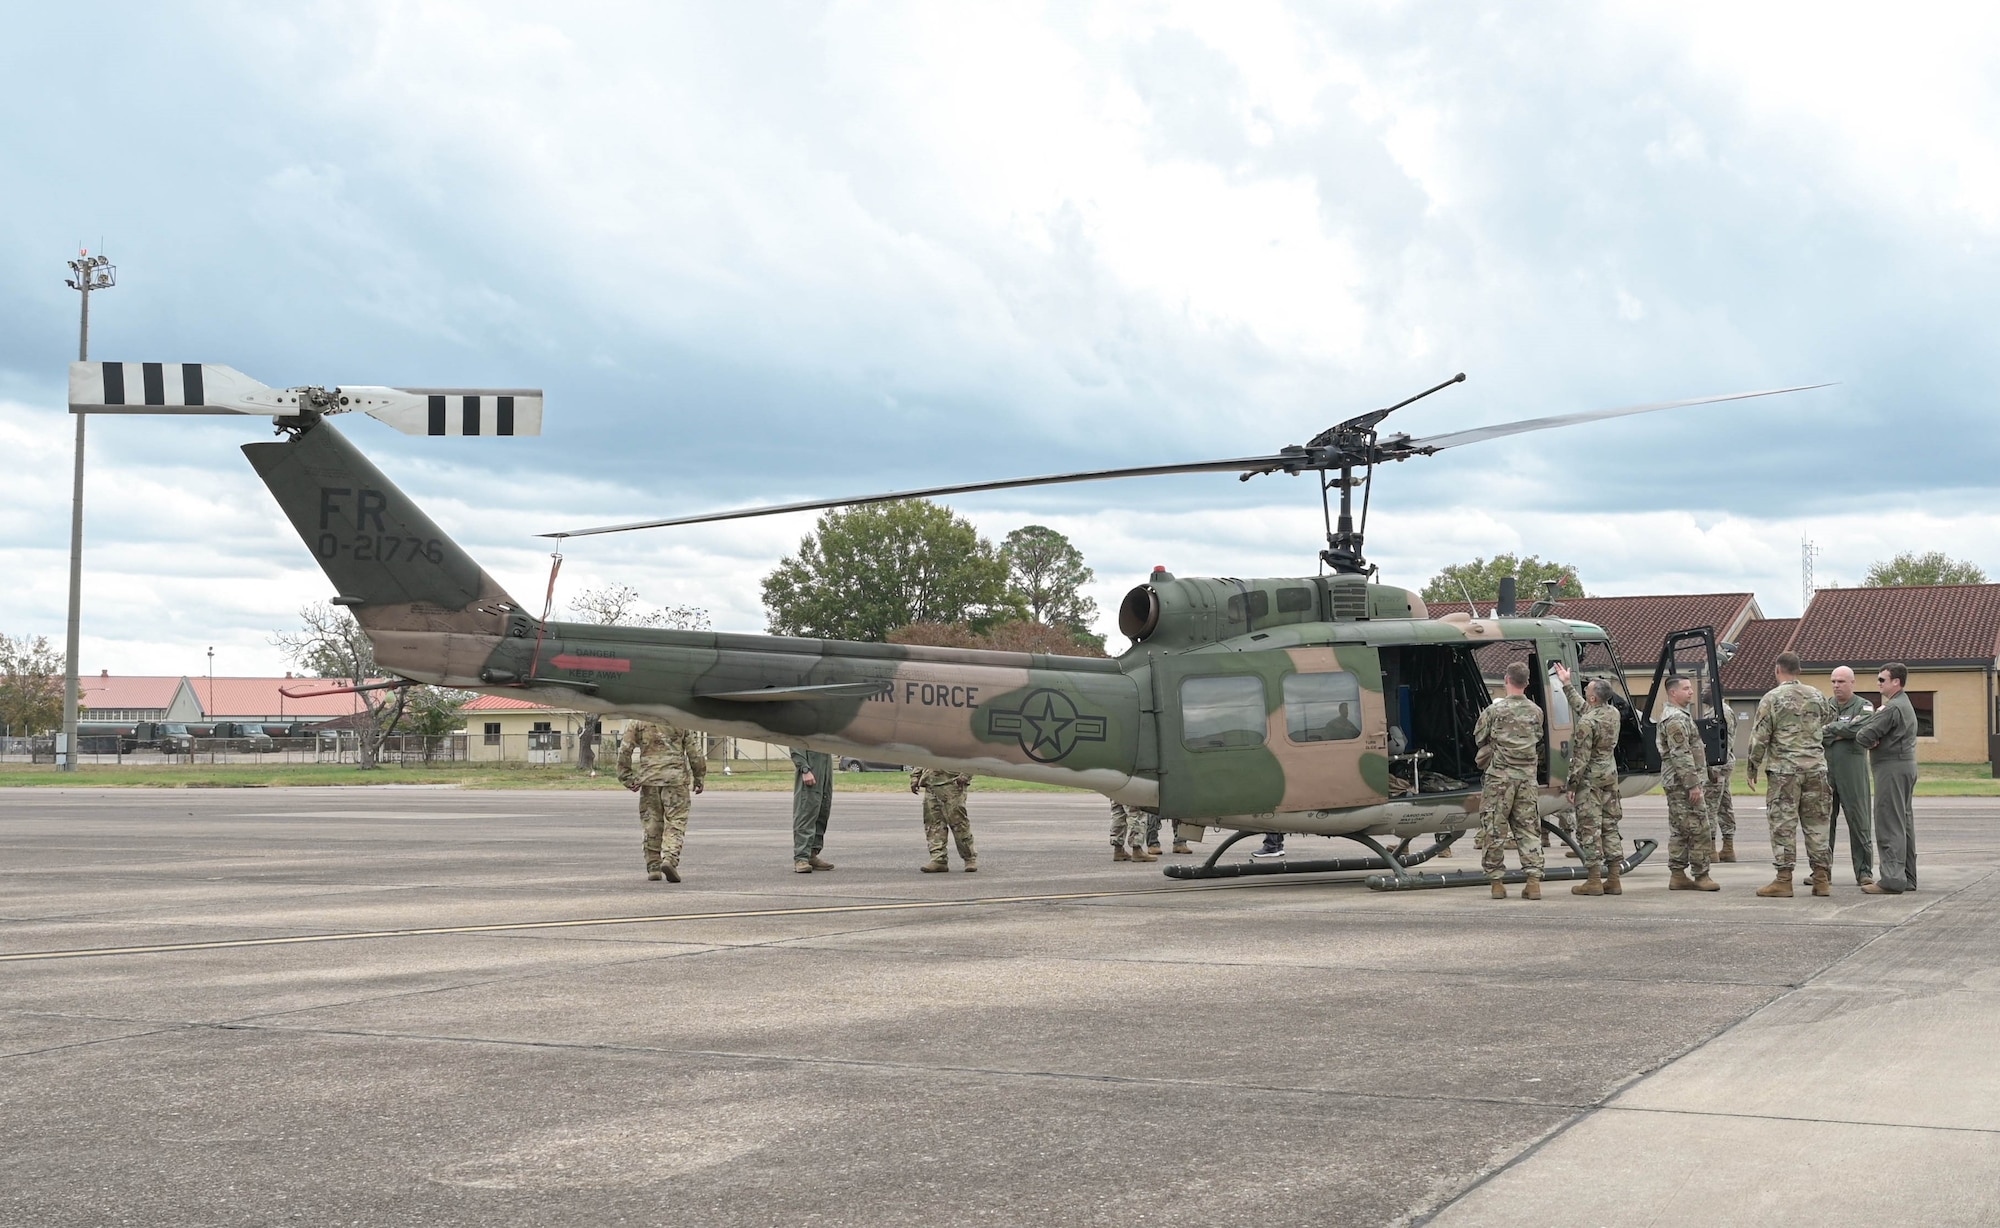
x,y
662,763
944,813
1786,738
1512,728
812,805
1593,784
1683,768
1891,739
1847,767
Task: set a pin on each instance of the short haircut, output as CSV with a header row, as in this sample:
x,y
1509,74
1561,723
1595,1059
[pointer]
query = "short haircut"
x,y
1897,670
1601,690
1789,662
1517,673
1676,681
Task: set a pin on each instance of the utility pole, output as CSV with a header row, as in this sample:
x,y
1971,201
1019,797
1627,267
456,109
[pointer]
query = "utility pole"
x,y
88,273
208,706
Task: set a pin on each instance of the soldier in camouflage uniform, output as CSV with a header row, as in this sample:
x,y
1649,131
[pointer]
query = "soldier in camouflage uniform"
x,y
1128,825
1721,807
1512,728
1683,768
944,811
1786,740
671,762
1593,785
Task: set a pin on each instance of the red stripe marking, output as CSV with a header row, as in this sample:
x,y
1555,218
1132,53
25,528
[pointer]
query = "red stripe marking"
x,y
609,665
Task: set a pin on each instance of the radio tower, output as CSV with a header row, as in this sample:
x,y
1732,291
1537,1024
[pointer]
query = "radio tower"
x,y
1807,553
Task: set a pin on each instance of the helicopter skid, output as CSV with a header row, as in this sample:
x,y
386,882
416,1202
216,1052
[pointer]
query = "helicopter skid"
x,y
1398,863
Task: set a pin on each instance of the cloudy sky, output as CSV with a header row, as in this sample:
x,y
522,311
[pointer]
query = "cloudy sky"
x,y
763,252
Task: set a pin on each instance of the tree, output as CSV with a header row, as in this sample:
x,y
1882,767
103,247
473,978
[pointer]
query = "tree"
x,y
435,712
1479,580
330,644
1015,635
31,685
866,571
619,605
1047,573
1931,567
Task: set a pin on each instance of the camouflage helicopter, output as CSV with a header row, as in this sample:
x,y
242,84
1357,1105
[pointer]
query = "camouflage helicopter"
x,y
1330,705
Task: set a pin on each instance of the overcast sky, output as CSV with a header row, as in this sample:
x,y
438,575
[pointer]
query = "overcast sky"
x,y
763,252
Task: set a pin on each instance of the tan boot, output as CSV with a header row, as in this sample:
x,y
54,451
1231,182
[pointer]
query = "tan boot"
x,y
1702,882
1728,852
1594,886
972,865
1181,846
1679,881
672,870
1154,849
1140,854
1447,851
1118,853
936,865
802,866
819,863
653,873
1822,880
1612,885
1499,890
1780,886
1532,889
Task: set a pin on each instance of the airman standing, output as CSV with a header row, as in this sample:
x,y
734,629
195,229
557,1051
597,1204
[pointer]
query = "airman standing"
x,y
1682,770
1847,768
944,811
1593,785
1512,728
812,805
1891,738
1128,826
1153,824
1787,735
671,762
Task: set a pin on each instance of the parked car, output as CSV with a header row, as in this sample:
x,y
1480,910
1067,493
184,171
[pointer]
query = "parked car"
x,y
870,765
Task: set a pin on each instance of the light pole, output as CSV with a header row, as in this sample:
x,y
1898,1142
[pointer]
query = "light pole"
x,y
88,273
208,706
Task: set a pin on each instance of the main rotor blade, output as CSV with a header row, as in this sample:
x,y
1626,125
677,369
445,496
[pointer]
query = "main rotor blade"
x,y
1241,464
1479,434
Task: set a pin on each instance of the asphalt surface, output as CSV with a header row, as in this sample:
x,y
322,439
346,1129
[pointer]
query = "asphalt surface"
x,y
1092,1044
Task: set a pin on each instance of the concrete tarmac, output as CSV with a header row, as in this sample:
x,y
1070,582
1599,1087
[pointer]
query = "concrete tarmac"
x,y
409,1006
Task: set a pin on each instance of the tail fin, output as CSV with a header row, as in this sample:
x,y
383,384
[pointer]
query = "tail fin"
x,y
409,585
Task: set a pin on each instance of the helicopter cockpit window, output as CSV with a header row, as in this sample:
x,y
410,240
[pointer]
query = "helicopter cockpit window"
x,y
1219,712
1322,707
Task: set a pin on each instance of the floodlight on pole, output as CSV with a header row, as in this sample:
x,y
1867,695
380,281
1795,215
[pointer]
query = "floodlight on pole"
x,y
87,273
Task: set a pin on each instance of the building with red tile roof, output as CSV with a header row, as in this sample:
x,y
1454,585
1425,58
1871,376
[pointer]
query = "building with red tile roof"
x,y
130,697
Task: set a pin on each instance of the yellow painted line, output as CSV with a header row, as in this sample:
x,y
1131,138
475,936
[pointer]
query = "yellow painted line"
x,y
584,922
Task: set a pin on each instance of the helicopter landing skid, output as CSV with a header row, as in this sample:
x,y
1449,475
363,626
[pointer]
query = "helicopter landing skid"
x,y
1397,861
1641,849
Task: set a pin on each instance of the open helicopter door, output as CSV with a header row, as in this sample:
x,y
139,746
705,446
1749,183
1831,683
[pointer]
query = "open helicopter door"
x,y
1255,733
1692,654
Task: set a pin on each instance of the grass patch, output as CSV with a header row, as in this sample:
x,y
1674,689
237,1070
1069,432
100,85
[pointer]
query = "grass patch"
x,y
462,775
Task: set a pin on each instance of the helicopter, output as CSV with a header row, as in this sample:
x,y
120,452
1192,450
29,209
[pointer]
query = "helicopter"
x,y
1330,705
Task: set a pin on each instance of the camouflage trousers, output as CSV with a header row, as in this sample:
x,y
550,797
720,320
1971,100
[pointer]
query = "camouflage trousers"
x,y
1509,811
663,816
1690,842
1599,810
944,814
1794,800
1128,826
1716,800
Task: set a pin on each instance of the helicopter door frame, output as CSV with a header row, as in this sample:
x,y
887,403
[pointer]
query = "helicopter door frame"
x,y
1714,727
1558,734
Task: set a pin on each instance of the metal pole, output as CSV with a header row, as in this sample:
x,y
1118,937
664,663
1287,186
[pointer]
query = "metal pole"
x,y
92,272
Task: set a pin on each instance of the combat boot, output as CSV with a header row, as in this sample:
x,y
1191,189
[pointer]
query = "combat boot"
x,y
802,866
972,865
936,865
1446,851
1118,853
1181,846
1594,886
1728,852
1780,886
819,863
1679,881
1822,880
1154,849
1139,853
653,873
1612,883
1702,882
672,871
1499,890
1532,889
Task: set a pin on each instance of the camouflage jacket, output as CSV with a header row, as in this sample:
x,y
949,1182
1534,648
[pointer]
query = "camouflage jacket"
x,y
933,778
1786,735
1593,746
1512,726
665,754
1683,759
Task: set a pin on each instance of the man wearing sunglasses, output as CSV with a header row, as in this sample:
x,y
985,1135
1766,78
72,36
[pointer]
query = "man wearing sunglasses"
x,y
1890,737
